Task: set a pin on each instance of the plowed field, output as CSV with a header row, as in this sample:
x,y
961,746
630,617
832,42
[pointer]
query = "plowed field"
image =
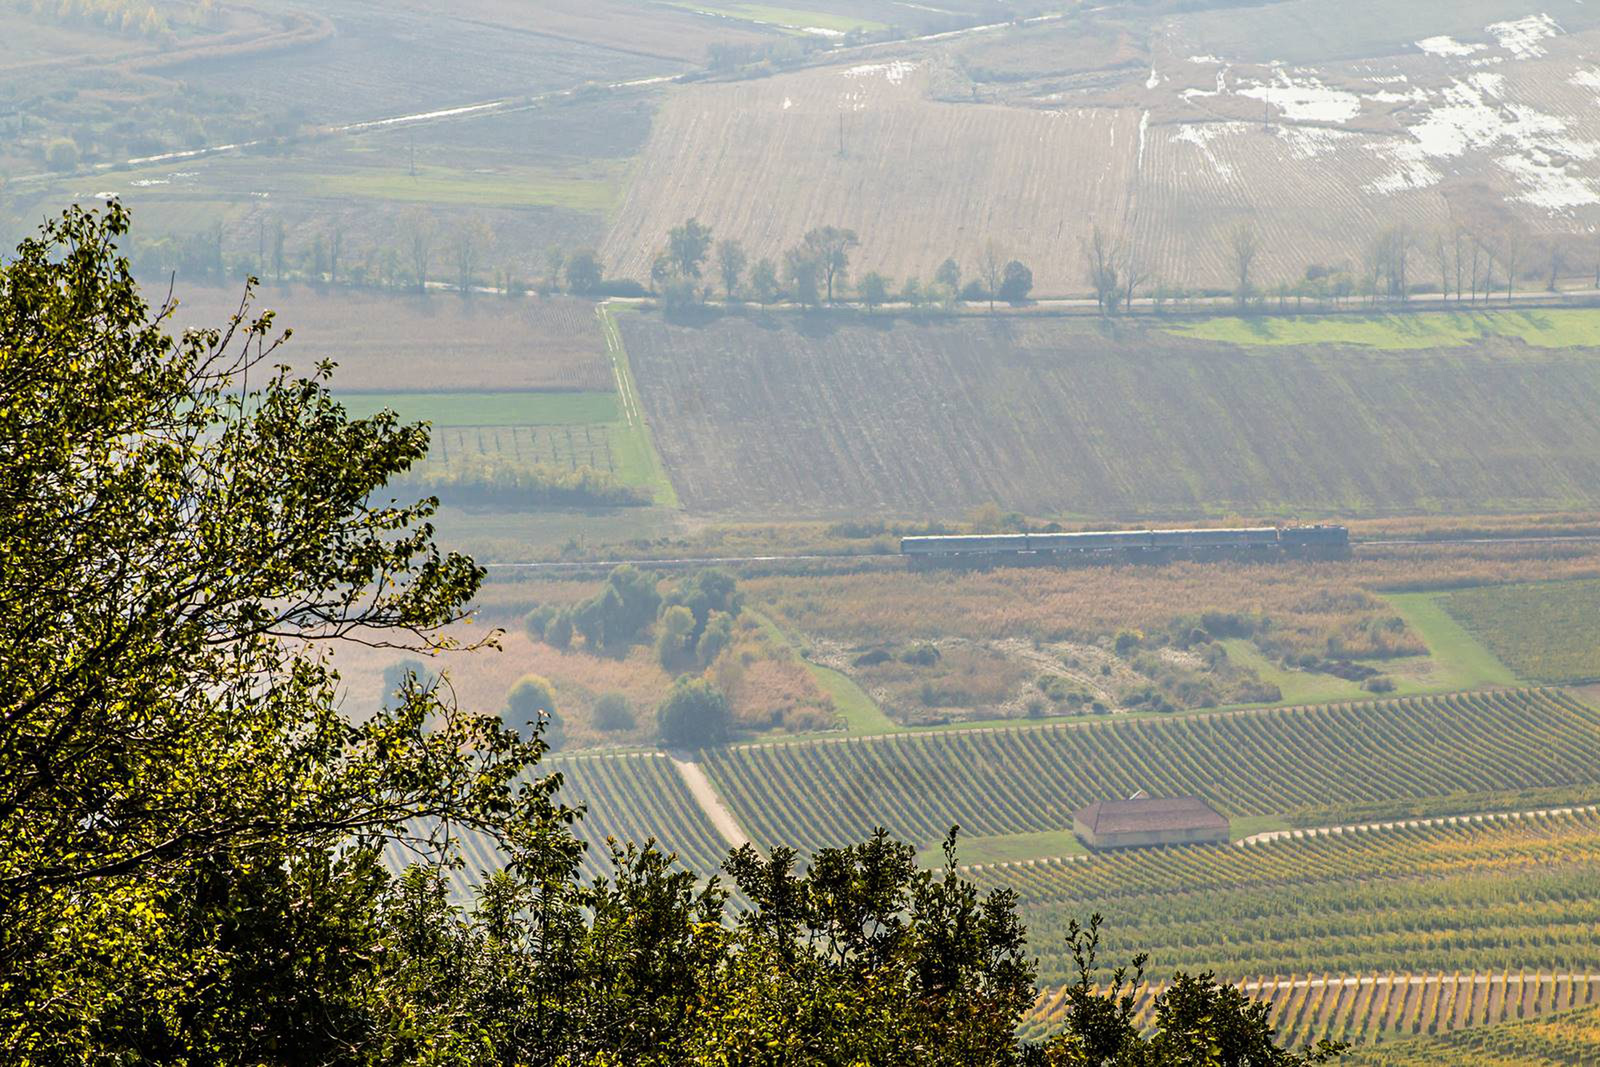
x,y
1058,417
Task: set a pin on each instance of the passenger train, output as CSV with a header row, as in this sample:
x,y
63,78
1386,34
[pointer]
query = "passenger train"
x,y
1300,539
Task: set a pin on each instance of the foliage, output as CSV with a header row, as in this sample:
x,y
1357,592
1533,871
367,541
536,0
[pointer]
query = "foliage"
x,y
1544,631
1016,284
188,825
694,714
584,273
1196,1020
613,711
530,702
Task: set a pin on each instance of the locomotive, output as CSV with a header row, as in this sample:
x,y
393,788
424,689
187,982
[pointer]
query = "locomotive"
x,y
1300,539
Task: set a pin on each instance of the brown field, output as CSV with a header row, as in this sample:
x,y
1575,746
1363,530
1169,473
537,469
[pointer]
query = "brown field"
x,y
1174,140
920,180
390,343
1050,416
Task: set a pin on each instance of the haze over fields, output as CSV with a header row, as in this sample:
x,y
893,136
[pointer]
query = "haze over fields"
x,y
996,414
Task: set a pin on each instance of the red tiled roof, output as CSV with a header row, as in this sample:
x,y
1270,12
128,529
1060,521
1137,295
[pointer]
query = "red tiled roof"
x,y
1150,814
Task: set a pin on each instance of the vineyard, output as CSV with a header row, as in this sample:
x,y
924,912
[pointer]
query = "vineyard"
x,y
1545,632
1570,1039
941,417
1371,1008
1320,765
631,798
1487,896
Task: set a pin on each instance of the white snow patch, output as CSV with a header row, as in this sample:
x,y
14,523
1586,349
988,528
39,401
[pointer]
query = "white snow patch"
x,y
818,31
1204,59
1310,142
1587,79
1521,37
1448,46
1535,148
1306,101
1154,79
1202,134
1144,130
787,103
894,72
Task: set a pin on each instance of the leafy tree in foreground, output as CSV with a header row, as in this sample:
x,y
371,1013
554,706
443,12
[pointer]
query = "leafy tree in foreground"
x,y
188,826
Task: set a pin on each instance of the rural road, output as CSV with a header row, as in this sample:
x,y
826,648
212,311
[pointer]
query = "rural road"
x,y
1270,836
705,795
504,104
1256,840
718,561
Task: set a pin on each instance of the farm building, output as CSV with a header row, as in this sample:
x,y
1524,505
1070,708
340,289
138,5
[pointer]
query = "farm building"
x,y
1146,820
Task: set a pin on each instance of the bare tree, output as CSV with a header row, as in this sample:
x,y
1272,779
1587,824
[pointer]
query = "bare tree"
x,y
830,247
1441,252
731,260
335,247
991,268
1132,274
1558,263
1100,255
419,230
470,241
1243,245
1512,246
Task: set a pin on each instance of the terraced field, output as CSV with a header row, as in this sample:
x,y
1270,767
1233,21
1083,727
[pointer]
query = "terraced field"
x,y
1499,895
1322,765
1371,1008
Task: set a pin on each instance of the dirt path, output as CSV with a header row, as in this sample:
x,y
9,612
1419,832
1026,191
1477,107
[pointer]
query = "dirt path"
x,y
705,795
1408,824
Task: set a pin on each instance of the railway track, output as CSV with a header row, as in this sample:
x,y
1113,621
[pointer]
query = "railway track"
x,y
680,562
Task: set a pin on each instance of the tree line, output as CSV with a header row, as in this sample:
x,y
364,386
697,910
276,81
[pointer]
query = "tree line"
x,y
816,271
1456,263
193,834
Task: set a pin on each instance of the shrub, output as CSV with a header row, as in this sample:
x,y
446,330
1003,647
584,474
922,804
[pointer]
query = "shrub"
x,y
529,699
1126,641
694,715
558,631
613,712
537,620
871,658
923,655
1379,683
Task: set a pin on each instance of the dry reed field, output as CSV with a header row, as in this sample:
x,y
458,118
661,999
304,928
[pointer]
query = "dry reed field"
x,y
1310,599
